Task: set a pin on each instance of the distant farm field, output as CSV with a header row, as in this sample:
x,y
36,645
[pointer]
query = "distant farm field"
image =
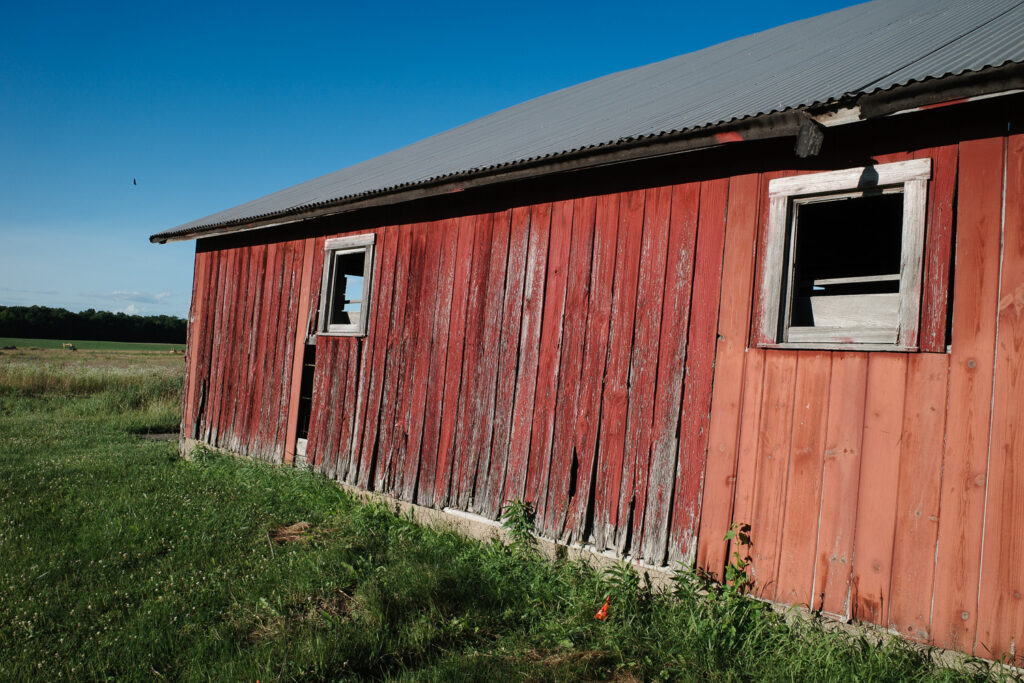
x,y
85,344
119,560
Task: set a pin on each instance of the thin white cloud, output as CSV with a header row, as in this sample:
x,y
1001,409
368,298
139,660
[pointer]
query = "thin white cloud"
x,y
134,296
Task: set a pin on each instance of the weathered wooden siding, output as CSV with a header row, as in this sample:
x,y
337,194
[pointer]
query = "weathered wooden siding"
x,y
886,487
592,355
501,362
241,345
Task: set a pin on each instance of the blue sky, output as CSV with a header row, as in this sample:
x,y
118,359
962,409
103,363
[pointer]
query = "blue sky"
x,y
208,106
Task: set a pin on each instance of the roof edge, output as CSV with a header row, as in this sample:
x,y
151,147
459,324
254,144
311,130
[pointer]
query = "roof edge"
x,y
774,125
900,99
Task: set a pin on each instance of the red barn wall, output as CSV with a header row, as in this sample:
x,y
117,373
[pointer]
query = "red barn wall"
x,y
886,487
245,303
558,353
592,356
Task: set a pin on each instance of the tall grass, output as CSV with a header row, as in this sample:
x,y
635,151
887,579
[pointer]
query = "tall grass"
x,y
145,396
121,561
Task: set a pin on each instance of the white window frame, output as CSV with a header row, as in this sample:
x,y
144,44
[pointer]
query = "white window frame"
x,y
910,178
340,245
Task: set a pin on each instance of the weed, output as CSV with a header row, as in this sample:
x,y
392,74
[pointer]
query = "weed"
x,y
517,517
736,577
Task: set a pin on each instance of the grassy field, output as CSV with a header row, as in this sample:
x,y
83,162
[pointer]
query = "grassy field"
x,y
83,344
121,561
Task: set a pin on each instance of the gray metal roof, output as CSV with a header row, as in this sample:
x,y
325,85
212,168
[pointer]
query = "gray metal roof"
x,y
852,51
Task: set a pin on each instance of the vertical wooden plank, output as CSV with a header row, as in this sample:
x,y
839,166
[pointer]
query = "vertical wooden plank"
x,y
529,353
448,232
321,405
773,449
217,336
453,364
508,357
368,346
840,479
549,358
804,495
691,460
1000,624
765,299
285,334
643,373
207,328
403,462
298,348
271,305
248,334
227,366
235,386
250,338
425,302
611,523
371,426
482,428
917,505
225,329
879,479
938,246
471,408
257,348
716,513
193,344
672,355
588,418
565,457
394,365
346,405
971,367
338,348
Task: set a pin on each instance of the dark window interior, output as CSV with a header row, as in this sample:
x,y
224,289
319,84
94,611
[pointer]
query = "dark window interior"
x,y
306,390
845,247
347,296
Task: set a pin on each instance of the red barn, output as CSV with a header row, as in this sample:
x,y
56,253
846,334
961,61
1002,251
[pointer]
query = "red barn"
x,y
777,281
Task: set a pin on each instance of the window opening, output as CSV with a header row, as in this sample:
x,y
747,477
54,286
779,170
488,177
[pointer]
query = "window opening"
x,y
843,258
845,265
344,298
347,289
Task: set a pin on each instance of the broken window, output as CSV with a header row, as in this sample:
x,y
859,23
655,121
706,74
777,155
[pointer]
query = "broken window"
x,y
842,264
345,288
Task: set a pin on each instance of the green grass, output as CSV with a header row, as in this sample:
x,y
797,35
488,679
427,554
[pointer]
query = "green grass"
x,y
86,344
121,561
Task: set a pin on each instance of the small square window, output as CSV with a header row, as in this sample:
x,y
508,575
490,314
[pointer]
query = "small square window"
x,y
345,287
843,258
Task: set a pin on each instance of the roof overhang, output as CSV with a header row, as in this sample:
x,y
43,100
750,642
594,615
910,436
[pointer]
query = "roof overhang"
x,y
806,125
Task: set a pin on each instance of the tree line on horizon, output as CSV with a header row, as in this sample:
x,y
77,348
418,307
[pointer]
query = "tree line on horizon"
x,y
43,322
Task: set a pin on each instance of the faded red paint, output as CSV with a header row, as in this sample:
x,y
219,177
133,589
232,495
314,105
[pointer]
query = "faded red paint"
x,y
591,354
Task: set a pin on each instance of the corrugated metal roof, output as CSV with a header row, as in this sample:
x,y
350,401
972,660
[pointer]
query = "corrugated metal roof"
x,y
857,50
